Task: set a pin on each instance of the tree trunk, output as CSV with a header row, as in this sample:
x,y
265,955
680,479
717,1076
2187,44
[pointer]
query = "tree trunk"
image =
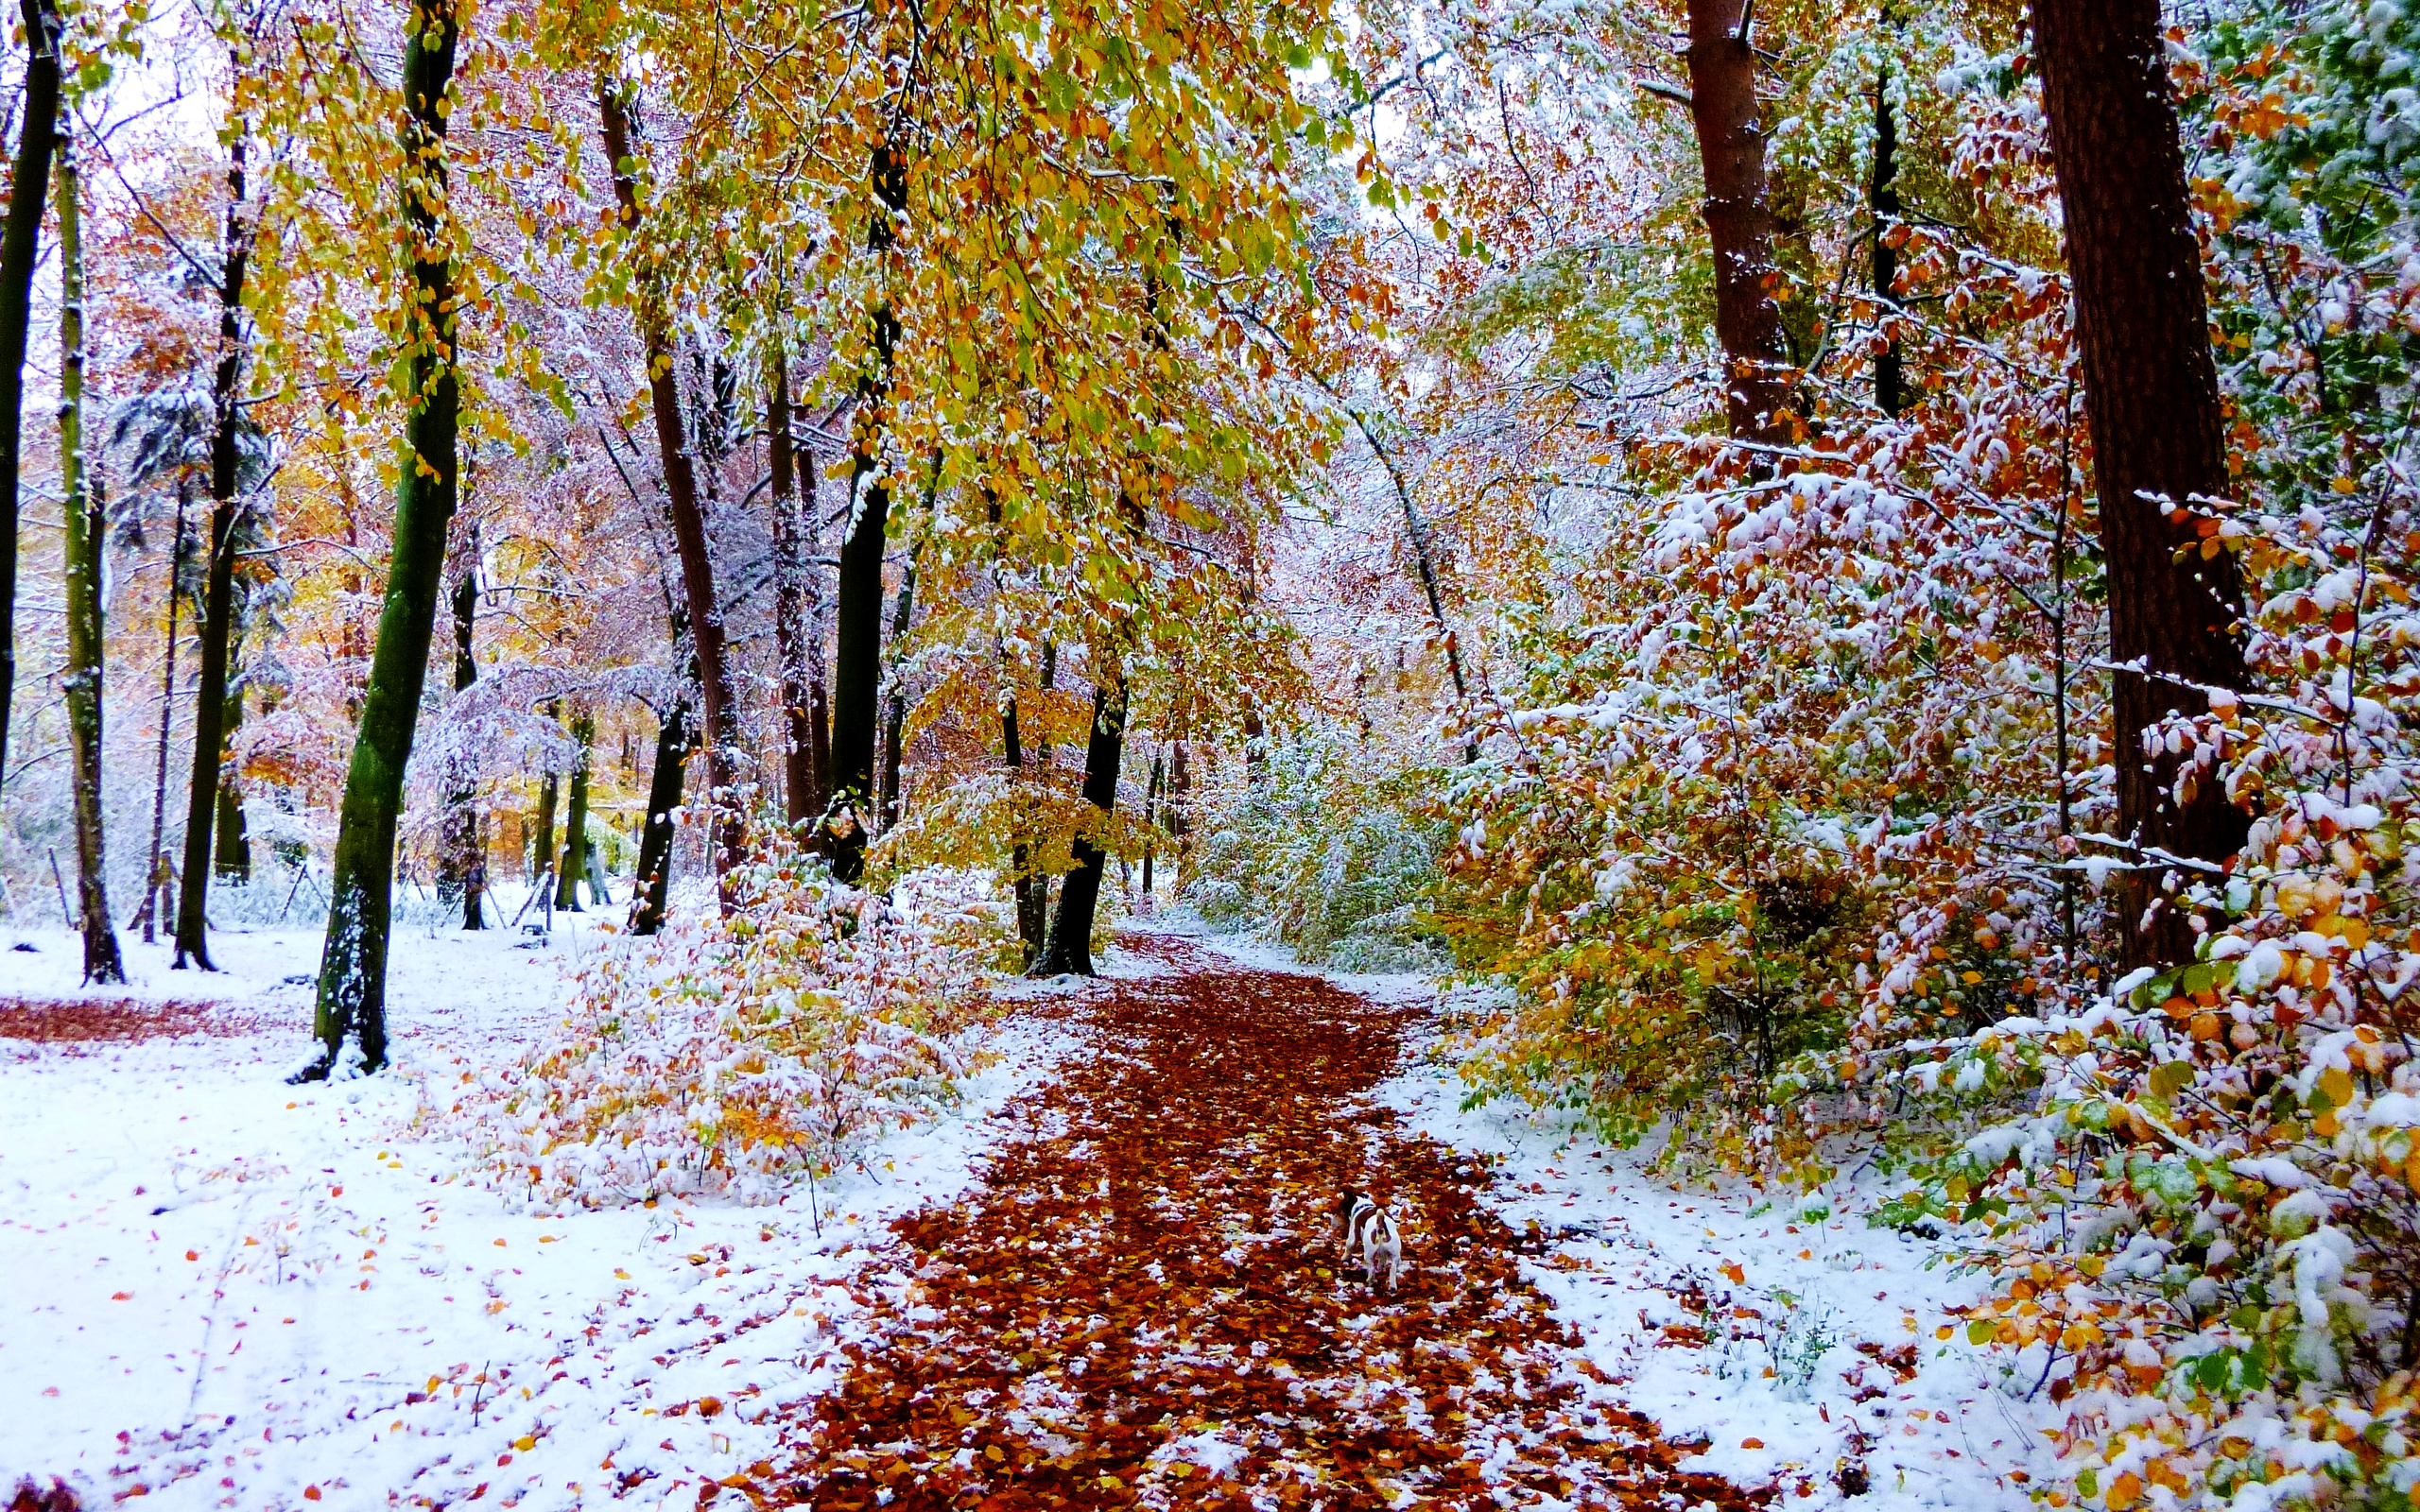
x,y
1150,827
857,676
894,721
1888,395
1033,892
81,679
573,867
673,743
689,523
2152,398
352,965
160,871
541,839
790,575
1071,949
1180,823
1738,220
462,876
218,597
20,250
231,853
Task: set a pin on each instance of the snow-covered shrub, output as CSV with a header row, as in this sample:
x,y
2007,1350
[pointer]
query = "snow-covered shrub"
x,y
732,1052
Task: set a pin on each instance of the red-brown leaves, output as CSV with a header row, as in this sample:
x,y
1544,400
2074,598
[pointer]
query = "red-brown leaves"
x,y
68,1021
1142,1306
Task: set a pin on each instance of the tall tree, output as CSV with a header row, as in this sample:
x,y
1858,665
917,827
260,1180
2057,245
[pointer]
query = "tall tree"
x,y
894,718
1738,218
81,679
230,853
1071,949
353,964
673,743
156,889
2158,436
20,248
856,672
1883,199
721,733
218,595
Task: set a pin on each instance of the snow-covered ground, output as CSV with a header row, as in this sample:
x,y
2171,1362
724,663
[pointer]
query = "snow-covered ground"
x,y
1786,1337
222,1291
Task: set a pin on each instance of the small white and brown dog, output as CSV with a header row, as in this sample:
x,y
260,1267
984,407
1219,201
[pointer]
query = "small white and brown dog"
x,y
1361,1224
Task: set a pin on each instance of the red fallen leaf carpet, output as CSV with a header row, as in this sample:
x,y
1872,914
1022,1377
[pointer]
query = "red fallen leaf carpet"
x,y
1136,1306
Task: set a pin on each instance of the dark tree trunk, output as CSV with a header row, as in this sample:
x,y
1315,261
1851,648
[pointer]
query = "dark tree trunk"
x,y
219,596
20,250
1071,949
1150,827
231,853
792,547
81,679
857,676
1179,824
1033,892
688,526
1888,396
2152,398
574,868
672,748
894,720
1738,220
352,965
462,871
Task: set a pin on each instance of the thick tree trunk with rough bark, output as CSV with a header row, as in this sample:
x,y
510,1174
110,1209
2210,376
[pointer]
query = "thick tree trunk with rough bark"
x,y
1738,220
218,595
353,964
721,731
81,679
1071,949
857,676
2158,437
20,250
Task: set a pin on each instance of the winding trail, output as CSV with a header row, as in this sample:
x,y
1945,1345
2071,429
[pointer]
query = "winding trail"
x,y
1136,1308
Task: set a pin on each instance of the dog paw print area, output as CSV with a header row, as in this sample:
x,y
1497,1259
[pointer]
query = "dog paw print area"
x,y
1143,1304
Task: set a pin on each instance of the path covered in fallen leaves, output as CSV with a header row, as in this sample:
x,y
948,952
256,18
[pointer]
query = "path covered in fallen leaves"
x,y
1137,1308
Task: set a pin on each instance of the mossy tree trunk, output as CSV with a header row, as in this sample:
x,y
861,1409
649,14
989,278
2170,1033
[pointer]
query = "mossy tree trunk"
x,y
462,873
353,964
20,250
572,870
81,680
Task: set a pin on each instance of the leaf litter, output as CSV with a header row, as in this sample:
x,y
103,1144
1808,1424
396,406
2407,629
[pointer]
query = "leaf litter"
x,y
1141,1305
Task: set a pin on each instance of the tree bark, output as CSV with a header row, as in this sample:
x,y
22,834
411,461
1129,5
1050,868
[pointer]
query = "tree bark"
x,y
231,853
20,250
2152,399
353,964
541,839
461,877
1179,824
791,547
1889,393
1033,892
219,596
1071,949
894,720
572,870
673,743
857,676
1738,220
160,871
81,679
689,523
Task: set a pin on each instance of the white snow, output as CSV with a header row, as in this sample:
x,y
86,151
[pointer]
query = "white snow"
x,y
227,1292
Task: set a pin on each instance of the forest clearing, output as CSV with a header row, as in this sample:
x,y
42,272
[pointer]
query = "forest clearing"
x,y
1255,753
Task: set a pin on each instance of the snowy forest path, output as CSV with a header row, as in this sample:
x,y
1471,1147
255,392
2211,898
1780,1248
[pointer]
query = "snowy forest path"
x,y
1140,1305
